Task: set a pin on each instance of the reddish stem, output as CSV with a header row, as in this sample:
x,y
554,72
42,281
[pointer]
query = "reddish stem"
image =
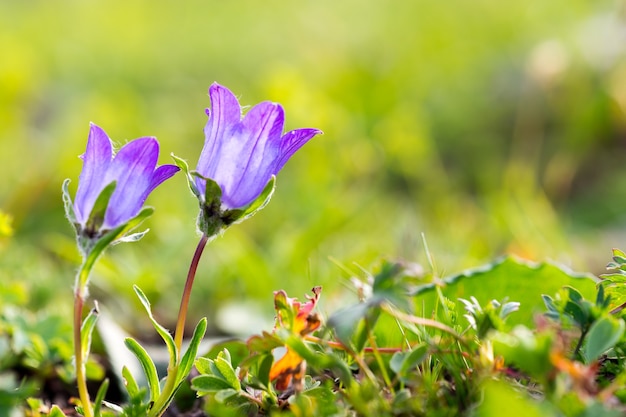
x,y
184,302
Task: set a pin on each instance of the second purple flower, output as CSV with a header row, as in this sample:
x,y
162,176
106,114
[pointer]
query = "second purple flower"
x,y
241,154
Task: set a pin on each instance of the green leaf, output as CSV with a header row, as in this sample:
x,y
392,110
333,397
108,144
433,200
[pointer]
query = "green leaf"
x,y
86,331
526,349
320,360
148,366
100,398
55,411
223,364
209,383
549,303
265,342
403,362
202,365
265,366
225,394
603,335
162,331
237,349
345,321
189,357
130,383
511,277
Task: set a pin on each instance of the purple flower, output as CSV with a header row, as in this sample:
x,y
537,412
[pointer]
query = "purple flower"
x,y
132,169
241,154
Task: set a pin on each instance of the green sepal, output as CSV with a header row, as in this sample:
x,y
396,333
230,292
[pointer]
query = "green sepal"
x,y
211,220
68,204
162,331
93,248
188,359
182,164
96,217
261,201
86,330
148,366
100,398
133,237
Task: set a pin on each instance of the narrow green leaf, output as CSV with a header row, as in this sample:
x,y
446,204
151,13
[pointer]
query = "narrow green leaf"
x,y
130,383
148,367
619,253
549,303
188,359
162,331
100,398
603,335
86,331
601,300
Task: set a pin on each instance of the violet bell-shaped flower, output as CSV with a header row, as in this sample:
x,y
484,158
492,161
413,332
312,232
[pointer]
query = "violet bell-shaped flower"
x,y
242,154
113,188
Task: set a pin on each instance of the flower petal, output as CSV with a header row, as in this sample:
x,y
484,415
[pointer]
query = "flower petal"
x,y
291,142
159,175
91,182
246,162
132,168
224,114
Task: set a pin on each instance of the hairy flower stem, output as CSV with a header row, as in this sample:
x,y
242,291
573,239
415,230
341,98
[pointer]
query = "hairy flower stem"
x,y
80,293
184,302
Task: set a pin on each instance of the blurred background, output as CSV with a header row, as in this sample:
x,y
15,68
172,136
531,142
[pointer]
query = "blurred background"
x,y
492,129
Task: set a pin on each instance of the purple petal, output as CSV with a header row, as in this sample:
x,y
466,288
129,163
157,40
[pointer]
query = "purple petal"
x,y
132,168
291,142
245,165
159,175
96,161
225,113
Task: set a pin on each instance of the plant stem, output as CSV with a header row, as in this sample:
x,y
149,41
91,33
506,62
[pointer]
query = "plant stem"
x,y
79,301
184,302
161,404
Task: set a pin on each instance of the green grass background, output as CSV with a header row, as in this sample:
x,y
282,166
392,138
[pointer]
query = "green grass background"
x,y
491,127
